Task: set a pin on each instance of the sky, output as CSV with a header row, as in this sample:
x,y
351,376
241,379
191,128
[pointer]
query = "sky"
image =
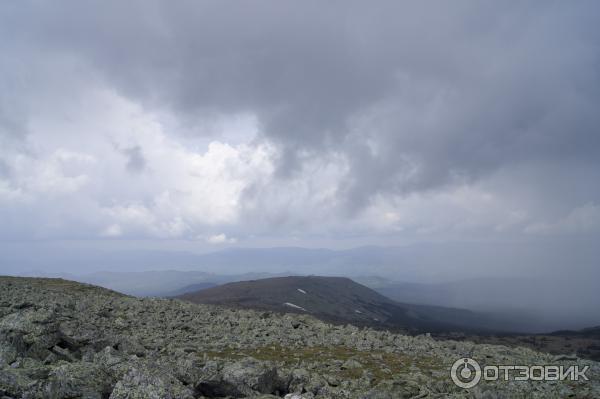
x,y
210,124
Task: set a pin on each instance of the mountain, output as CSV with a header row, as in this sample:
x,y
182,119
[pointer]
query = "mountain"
x,y
532,305
149,283
589,332
538,303
62,339
339,300
189,288
235,261
156,283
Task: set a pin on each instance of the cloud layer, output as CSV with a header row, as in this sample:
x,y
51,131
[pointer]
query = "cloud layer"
x,y
220,121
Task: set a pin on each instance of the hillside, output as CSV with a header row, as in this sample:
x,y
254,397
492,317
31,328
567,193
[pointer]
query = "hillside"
x,y
508,301
60,339
338,300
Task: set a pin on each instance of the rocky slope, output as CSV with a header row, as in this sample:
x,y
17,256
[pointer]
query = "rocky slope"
x,y
60,339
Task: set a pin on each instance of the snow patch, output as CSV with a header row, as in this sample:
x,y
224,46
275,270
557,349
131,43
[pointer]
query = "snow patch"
x,y
302,291
291,305
358,311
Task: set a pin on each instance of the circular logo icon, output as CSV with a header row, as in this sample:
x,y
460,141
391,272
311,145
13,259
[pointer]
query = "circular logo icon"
x,y
465,373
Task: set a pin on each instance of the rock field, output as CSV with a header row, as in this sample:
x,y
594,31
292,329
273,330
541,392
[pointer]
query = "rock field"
x,y
60,339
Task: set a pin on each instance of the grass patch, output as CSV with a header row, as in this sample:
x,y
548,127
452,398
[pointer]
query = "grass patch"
x,y
378,364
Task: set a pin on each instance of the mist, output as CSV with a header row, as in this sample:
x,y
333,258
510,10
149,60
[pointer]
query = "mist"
x,y
491,278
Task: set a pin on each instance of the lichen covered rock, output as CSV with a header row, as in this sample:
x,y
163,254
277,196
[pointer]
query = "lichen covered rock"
x,y
60,339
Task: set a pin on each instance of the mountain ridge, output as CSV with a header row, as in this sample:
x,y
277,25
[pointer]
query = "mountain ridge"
x,y
338,300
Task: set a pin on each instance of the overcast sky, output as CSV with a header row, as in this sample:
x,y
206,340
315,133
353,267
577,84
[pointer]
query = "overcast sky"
x,y
314,123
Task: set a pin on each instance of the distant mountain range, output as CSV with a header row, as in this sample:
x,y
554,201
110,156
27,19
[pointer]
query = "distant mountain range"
x,y
542,303
514,304
158,283
508,303
339,300
401,263
482,310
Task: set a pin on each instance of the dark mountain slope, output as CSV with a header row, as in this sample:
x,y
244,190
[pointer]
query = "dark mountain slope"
x,y
339,300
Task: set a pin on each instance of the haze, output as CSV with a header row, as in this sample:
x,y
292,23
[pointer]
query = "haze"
x,y
447,141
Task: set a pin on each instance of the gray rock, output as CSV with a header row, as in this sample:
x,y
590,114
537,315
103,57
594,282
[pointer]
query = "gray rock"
x,y
150,384
351,364
85,380
299,380
14,382
250,376
63,339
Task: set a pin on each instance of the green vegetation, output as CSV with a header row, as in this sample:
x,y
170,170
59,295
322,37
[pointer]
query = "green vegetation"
x,y
379,365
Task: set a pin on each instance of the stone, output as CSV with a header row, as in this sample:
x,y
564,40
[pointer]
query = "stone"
x,y
64,339
150,384
250,376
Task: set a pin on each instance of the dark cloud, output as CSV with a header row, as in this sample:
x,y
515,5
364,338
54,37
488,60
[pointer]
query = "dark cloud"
x,y
135,159
416,96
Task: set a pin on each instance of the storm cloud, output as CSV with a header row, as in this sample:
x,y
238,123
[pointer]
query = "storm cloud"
x,y
338,119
